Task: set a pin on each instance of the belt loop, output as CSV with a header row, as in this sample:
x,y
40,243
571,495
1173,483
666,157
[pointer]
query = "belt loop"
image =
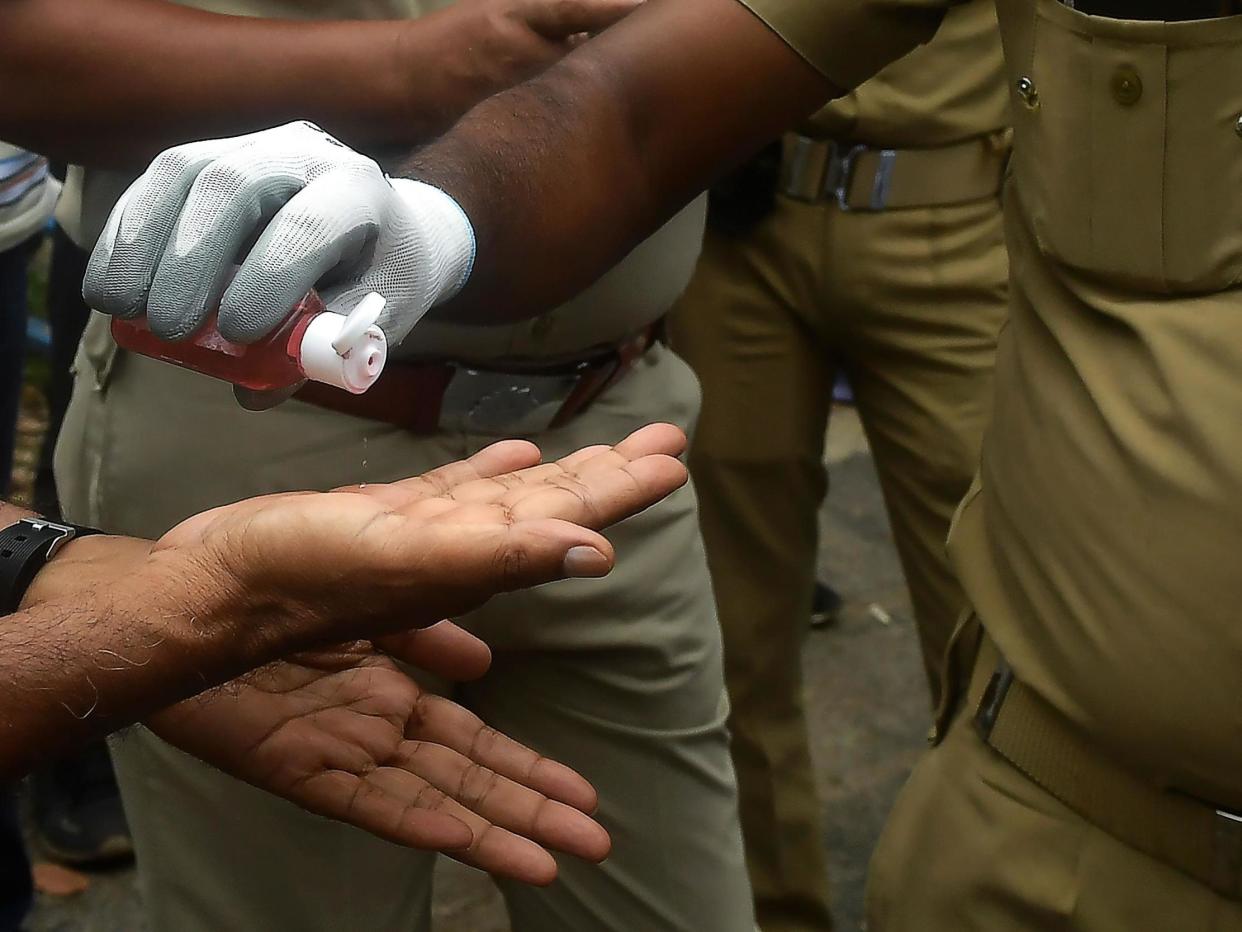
x,y
993,699
1227,854
806,166
883,178
846,177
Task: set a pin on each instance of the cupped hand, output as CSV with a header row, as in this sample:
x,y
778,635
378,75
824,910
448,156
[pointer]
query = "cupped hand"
x,y
344,733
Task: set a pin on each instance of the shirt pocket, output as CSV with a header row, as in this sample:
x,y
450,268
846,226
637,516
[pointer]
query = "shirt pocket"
x,y
1127,155
97,353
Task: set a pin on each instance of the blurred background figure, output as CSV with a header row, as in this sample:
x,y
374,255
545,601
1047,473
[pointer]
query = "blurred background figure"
x,y
27,196
75,806
67,314
868,242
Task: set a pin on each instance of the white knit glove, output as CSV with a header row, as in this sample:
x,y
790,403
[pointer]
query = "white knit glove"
x,y
325,216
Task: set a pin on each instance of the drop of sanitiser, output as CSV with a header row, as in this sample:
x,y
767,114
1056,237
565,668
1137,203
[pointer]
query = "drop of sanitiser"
x,y
363,483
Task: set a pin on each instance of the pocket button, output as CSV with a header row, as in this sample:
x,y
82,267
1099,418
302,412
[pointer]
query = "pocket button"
x,y
1127,86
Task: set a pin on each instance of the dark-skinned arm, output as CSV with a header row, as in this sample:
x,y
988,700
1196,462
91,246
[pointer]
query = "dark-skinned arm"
x,y
581,163
529,198
111,83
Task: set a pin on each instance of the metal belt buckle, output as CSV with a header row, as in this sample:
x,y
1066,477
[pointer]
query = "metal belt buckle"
x,y
1227,853
879,185
809,169
478,401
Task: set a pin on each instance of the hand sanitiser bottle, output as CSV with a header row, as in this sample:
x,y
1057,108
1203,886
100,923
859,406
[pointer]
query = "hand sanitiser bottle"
x,y
345,351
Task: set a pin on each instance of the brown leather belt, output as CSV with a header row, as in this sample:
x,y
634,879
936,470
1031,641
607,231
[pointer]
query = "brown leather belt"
x,y
857,177
1186,833
429,396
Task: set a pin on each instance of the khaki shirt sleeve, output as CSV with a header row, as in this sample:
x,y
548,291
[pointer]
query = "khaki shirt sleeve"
x,y
848,41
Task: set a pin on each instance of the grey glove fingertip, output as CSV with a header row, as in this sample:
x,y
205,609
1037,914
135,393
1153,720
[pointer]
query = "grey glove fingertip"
x,y
182,296
252,307
117,292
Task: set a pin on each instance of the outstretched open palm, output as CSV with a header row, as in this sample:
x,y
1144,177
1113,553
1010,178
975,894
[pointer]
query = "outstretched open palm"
x,y
344,733
378,558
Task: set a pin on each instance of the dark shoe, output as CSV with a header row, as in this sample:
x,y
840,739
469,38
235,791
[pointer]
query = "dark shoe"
x,y
76,810
825,606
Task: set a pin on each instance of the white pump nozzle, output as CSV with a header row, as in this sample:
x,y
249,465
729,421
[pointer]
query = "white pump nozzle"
x,y
348,352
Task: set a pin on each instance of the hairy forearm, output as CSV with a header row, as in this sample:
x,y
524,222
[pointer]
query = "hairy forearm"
x,y
110,632
563,175
113,83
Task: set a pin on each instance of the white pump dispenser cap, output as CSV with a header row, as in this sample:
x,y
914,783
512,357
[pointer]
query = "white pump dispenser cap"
x,y
348,352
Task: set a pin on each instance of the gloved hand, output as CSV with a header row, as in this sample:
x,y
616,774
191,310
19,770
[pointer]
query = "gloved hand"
x,y
325,216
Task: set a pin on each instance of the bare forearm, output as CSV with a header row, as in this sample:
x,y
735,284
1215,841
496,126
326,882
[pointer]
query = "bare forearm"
x,y
113,83
110,633
563,175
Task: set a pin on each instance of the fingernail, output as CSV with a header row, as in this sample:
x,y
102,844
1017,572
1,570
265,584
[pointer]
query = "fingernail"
x,y
585,561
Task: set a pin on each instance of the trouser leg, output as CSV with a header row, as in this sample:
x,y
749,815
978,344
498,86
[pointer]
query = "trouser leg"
x,y
67,315
640,709
920,346
618,677
972,845
756,460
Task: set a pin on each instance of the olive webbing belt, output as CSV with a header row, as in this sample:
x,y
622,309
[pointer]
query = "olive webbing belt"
x,y
1183,832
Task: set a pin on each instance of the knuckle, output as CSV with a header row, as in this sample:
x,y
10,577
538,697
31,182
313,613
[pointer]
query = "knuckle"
x,y
419,711
174,161
483,741
574,485
475,785
229,174
428,797
514,565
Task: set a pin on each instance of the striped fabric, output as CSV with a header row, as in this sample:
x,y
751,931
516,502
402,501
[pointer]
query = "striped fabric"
x,y
19,175
27,195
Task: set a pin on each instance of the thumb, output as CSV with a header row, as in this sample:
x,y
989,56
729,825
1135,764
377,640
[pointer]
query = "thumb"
x,y
544,550
489,559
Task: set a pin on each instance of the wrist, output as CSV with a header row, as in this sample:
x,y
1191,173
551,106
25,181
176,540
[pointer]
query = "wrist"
x,y
191,599
235,602
447,233
84,564
439,73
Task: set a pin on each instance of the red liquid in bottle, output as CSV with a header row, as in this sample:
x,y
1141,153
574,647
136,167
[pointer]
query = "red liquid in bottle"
x,y
270,364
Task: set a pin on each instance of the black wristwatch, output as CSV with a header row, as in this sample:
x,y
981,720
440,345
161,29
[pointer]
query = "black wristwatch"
x,y
25,547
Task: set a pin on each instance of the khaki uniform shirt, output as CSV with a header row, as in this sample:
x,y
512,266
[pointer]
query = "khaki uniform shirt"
x,y
635,292
943,93
1099,544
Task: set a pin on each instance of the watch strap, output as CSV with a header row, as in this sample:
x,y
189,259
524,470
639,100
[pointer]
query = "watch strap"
x,y
25,548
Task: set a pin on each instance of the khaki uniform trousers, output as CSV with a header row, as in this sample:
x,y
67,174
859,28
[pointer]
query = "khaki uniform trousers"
x,y
972,845
909,303
620,678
